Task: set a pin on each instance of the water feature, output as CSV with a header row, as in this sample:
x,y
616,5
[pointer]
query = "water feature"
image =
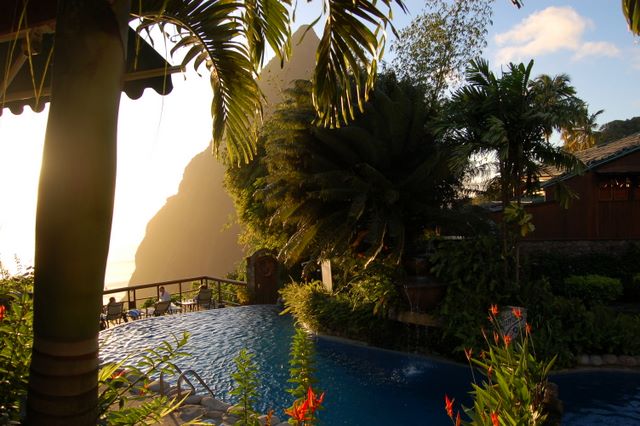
x,y
364,386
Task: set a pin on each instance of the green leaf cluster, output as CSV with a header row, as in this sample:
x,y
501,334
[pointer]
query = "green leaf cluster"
x,y
302,370
301,363
16,339
124,399
246,388
513,386
592,289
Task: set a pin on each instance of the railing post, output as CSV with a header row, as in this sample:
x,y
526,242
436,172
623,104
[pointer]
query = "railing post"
x,y
219,292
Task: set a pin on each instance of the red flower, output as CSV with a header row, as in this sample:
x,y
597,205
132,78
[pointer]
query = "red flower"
x,y
313,401
493,310
527,327
494,419
2,309
458,421
507,340
303,411
516,312
448,405
299,411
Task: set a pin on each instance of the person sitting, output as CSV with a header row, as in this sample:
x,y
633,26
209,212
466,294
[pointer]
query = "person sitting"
x,y
163,295
112,304
203,298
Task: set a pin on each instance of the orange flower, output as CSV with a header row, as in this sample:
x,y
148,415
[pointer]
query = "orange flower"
x,y
268,419
468,353
493,310
2,309
507,340
448,405
117,373
494,419
527,327
458,421
489,371
313,401
496,337
516,312
299,411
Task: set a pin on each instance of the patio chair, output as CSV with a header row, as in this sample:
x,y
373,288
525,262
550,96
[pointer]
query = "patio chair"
x,y
115,313
203,299
161,308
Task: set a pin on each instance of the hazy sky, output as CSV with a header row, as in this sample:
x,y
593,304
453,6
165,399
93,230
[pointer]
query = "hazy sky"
x,y
587,39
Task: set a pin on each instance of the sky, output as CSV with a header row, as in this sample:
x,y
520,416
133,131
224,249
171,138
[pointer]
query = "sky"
x,y
158,136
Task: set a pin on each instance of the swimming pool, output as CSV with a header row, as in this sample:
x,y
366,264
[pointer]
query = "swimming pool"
x,y
364,386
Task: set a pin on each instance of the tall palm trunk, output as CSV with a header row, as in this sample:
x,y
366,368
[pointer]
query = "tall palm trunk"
x,y
75,207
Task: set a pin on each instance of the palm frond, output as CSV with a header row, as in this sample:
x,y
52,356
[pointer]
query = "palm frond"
x,y
631,10
349,52
231,35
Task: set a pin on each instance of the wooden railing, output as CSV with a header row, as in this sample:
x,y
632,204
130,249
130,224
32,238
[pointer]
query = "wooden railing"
x,y
224,291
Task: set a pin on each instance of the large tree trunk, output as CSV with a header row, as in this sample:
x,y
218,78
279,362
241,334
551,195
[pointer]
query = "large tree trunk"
x,y
75,207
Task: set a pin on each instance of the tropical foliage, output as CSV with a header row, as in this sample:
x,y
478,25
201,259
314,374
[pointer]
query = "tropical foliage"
x,y
16,339
231,39
583,134
512,391
362,191
631,10
125,398
434,49
511,118
246,388
302,378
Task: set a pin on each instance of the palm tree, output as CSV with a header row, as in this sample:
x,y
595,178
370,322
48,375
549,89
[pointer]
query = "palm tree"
x,y
75,196
583,134
510,119
365,190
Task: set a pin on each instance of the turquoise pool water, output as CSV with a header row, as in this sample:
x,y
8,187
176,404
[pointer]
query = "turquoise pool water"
x,y
364,386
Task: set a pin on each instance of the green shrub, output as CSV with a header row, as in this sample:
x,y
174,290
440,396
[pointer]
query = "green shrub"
x,y
336,314
375,287
473,269
592,289
16,337
556,266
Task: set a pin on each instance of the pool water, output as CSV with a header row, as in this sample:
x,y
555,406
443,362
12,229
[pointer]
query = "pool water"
x,y
363,385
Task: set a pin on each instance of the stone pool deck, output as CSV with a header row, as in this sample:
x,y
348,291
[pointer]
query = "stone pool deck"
x,y
205,408
210,410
